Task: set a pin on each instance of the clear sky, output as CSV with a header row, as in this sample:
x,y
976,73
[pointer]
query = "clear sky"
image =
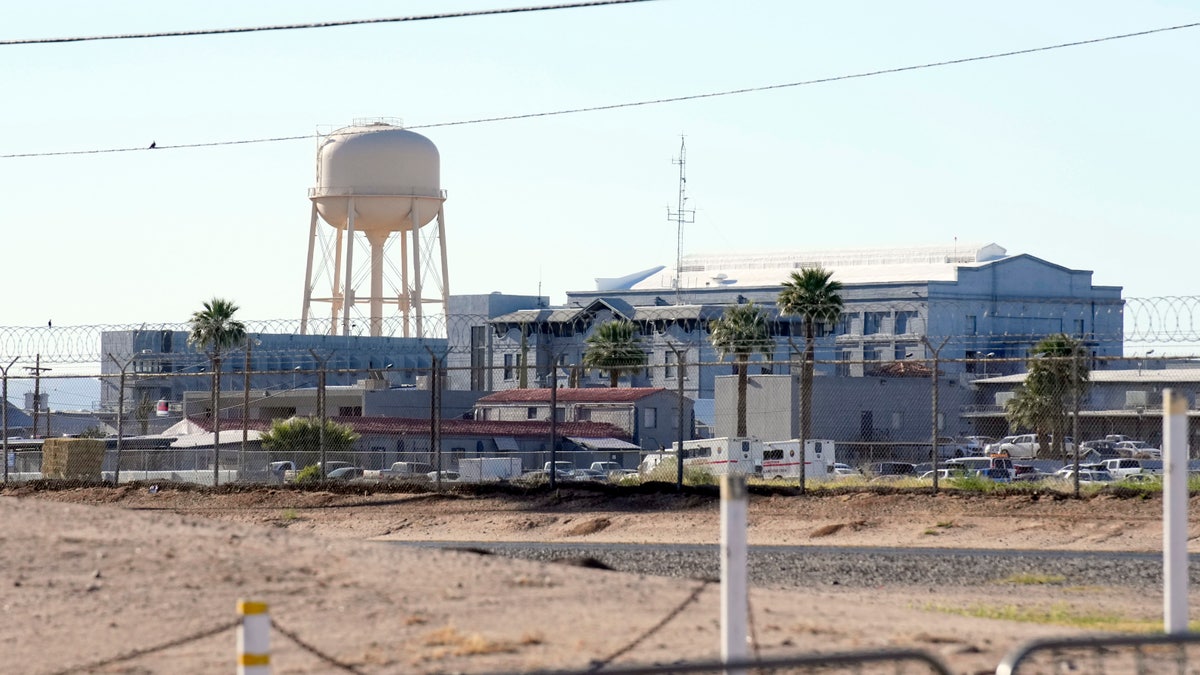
x,y
1084,156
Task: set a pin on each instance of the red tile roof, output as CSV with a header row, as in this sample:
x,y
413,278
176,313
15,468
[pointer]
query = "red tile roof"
x,y
584,395
449,427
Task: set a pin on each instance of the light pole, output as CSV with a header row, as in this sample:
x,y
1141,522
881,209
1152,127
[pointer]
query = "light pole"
x,y
934,377
250,342
985,362
4,413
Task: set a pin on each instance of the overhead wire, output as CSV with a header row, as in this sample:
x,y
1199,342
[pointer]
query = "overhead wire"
x,y
647,102
318,24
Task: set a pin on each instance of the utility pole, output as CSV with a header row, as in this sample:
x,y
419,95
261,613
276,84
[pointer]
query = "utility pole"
x,y
680,216
680,365
37,369
937,351
4,413
435,416
321,364
250,342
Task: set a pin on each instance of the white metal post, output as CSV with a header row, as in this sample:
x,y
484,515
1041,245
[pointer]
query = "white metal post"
x,y
735,604
254,639
1175,513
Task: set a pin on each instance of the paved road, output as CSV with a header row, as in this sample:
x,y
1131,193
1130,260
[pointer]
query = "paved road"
x,y
803,566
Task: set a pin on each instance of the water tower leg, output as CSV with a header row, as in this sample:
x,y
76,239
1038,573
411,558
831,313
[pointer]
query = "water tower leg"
x,y
348,296
312,245
335,294
418,271
441,224
405,293
377,240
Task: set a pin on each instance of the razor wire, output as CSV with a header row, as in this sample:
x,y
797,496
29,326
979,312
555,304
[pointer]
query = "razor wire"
x,y
996,325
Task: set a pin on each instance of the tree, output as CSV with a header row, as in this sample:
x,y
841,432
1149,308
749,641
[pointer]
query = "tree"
x,y
300,437
615,349
1057,374
812,295
740,332
214,329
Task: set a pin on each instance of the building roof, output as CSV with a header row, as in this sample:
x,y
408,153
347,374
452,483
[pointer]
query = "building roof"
x,y
1133,376
573,395
849,266
448,427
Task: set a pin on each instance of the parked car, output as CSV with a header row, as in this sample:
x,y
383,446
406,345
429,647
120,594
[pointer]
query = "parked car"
x,y
1086,476
839,470
1026,472
976,445
345,473
1122,467
903,469
1138,449
447,476
995,474
994,447
944,474
586,476
1026,446
1142,478
1100,446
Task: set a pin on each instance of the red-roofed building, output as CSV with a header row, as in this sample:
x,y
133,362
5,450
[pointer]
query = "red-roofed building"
x,y
649,415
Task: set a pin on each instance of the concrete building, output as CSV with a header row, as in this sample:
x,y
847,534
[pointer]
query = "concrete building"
x,y
649,416
975,308
161,365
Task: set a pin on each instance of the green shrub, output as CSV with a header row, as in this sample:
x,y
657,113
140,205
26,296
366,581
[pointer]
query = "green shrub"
x,y
309,474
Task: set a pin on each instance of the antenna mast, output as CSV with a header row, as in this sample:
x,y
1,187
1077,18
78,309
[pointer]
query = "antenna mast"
x,y
681,217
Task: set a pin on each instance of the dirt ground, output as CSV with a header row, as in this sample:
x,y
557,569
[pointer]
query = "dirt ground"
x,y
100,579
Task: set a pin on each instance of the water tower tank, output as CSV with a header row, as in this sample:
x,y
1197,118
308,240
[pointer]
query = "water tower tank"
x,y
383,167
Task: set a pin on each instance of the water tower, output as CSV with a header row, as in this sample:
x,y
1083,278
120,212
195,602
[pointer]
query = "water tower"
x,y
378,186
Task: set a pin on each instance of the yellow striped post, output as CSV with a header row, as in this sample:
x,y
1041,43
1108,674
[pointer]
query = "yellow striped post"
x,y
254,639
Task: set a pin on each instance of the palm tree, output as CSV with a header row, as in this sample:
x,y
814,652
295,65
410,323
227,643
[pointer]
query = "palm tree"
x,y
615,348
740,332
814,296
214,329
1057,375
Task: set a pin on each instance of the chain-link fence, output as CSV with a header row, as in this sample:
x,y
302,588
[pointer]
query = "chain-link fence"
x,y
890,397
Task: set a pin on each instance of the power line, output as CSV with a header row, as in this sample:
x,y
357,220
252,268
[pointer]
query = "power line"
x,y
320,24
634,104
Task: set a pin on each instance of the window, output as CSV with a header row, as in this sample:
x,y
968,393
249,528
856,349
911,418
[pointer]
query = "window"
x,y
350,411
843,364
1079,327
508,366
531,413
870,353
650,418
903,319
972,357
670,360
873,322
560,414
846,323
970,328
904,350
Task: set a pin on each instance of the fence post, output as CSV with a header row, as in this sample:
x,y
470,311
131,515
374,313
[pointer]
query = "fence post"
x,y
1175,513
734,602
253,639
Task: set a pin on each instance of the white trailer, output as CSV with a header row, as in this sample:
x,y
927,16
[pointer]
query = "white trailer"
x,y
720,456
781,459
488,469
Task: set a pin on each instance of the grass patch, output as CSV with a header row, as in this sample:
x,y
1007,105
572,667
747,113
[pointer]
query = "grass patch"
x,y
1031,579
289,515
1060,615
944,524
474,644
